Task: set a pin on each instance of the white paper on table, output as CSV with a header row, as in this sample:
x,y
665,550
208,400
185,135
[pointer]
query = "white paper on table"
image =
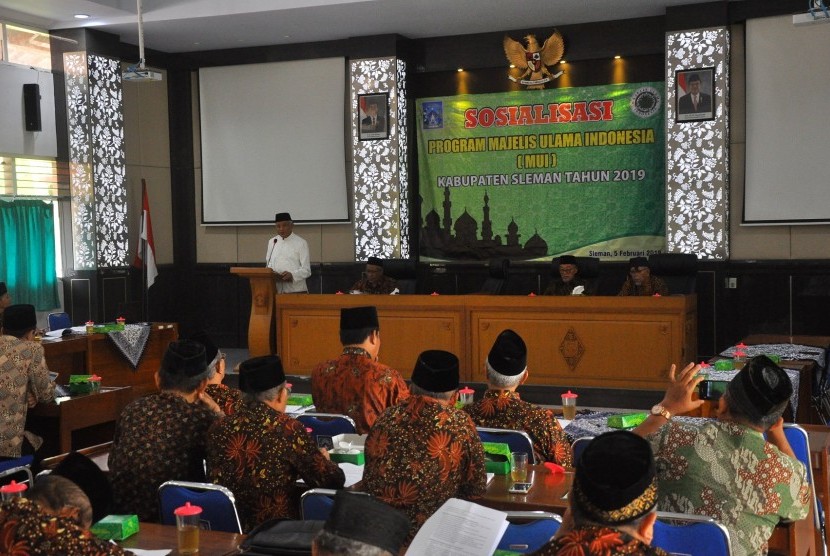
x,y
147,552
490,477
578,290
354,473
460,528
563,422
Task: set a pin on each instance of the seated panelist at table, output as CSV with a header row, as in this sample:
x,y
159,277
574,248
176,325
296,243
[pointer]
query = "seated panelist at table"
x,y
640,282
259,452
163,437
25,380
356,383
287,255
374,280
612,502
502,408
568,278
424,451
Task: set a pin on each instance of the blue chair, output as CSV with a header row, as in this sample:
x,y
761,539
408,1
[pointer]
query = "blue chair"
x,y
217,503
317,503
20,473
518,441
579,444
328,424
529,531
690,534
800,443
58,321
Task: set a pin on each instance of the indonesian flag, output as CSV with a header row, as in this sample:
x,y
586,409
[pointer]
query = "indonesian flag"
x,y
147,237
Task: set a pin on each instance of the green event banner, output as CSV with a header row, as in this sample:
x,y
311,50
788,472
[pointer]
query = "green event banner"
x,y
535,174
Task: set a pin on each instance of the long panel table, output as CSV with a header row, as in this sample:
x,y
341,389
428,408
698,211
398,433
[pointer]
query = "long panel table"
x,y
96,354
615,342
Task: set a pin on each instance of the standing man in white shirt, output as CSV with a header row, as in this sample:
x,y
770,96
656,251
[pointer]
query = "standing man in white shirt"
x,y
287,256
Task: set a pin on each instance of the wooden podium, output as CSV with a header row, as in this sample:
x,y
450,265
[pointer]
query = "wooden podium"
x,y
261,334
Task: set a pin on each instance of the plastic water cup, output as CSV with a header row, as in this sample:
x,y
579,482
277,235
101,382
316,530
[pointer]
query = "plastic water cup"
x,y
569,405
518,467
187,526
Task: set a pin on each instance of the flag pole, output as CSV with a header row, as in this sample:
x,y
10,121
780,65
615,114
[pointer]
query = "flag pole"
x,y
145,312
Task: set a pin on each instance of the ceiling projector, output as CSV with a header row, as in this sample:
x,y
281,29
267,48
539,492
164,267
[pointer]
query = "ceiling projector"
x,y
136,74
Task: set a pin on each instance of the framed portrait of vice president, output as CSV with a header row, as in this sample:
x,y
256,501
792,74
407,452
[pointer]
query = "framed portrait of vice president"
x,y
694,94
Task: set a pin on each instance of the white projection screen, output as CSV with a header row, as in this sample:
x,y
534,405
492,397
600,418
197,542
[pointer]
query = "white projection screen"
x,y
273,140
787,122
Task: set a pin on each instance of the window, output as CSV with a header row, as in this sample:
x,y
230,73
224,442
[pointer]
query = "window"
x,y
27,47
33,177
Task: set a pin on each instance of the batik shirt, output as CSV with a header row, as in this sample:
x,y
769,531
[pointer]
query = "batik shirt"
x,y
584,541
259,453
384,286
22,370
419,454
729,472
229,399
501,409
26,530
158,438
653,285
355,385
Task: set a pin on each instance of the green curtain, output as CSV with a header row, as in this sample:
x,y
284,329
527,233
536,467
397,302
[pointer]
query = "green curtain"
x,y
27,253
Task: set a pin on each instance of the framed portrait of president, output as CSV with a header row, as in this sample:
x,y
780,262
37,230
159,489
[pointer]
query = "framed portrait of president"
x,y
373,116
694,94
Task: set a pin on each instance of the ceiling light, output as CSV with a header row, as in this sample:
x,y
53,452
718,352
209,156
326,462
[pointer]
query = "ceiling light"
x,y
81,16
512,65
459,70
562,62
617,57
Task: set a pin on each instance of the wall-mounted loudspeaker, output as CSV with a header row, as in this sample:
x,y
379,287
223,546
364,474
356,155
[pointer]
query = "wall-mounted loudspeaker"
x,y
31,106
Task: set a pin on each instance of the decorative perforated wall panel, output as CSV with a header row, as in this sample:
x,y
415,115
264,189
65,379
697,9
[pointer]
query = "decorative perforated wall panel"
x,y
697,152
381,218
97,161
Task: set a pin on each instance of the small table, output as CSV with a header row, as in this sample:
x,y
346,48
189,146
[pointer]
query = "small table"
x,y
75,413
549,492
153,536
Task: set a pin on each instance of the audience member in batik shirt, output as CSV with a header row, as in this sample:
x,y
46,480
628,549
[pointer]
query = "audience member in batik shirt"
x,y
724,467
424,451
360,524
227,398
163,437
57,513
612,502
25,381
501,407
259,452
356,384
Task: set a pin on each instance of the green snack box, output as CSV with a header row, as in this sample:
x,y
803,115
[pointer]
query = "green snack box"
x,y
116,527
496,457
724,365
338,457
774,358
80,384
302,400
626,420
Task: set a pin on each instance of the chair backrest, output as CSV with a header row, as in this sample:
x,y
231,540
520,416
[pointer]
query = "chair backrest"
x,y
678,271
686,534
518,441
19,473
327,424
404,272
529,531
317,503
579,444
800,443
217,502
499,272
58,321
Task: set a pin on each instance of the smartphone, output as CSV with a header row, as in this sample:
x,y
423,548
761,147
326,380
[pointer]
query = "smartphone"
x,y
520,488
324,441
711,389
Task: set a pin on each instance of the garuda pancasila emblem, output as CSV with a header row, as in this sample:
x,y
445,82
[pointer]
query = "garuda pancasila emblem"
x,y
533,61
